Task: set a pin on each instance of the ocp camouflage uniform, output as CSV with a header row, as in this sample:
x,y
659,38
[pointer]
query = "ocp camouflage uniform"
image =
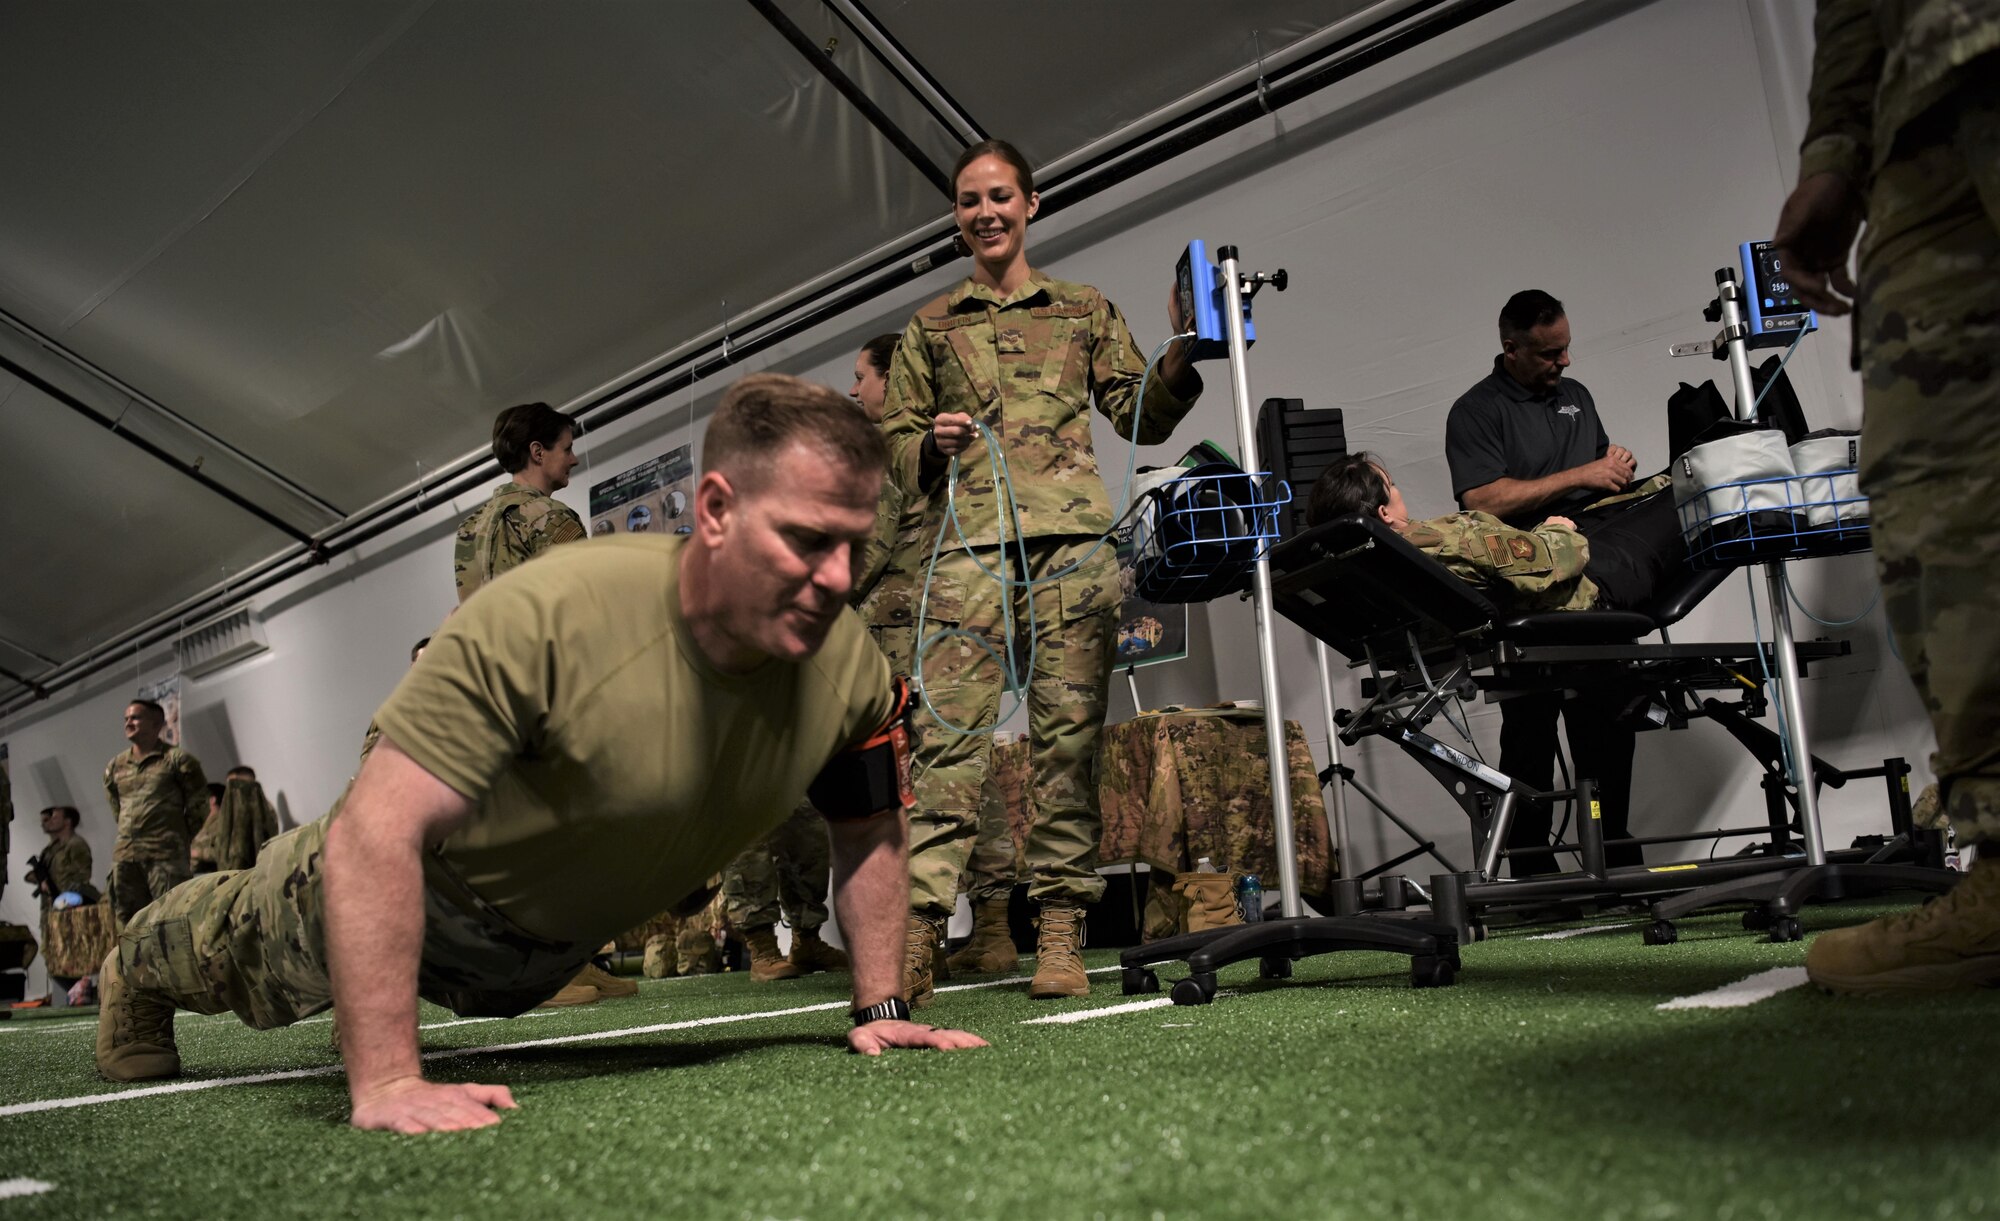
x,y
69,865
997,862
1524,570
1028,367
233,834
1906,106
160,800
507,531
784,874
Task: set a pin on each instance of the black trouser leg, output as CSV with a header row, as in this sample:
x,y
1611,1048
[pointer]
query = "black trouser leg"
x,y
1600,747
1528,754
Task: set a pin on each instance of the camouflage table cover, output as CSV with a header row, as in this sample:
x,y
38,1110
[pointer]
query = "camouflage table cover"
x,y
1183,783
78,938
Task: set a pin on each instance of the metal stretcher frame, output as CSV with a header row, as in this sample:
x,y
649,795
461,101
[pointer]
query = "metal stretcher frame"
x,y
1428,637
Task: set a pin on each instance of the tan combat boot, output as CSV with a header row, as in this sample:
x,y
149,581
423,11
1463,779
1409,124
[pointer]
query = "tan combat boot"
x,y
766,964
810,952
571,993
609,986
991,950
1951,942
1059,952
920,959
135,1030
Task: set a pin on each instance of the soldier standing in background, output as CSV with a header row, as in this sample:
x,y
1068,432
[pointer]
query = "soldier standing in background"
x,y
1905,133
160,799
66,862
536,444
1026,355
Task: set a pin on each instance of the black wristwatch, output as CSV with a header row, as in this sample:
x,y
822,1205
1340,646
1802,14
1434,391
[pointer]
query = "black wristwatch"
x,y
895,1009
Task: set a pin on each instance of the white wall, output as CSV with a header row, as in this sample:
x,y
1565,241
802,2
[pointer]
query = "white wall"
x,y
1613,152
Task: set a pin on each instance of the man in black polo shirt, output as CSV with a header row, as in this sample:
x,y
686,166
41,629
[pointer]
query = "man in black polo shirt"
x,y
1525,443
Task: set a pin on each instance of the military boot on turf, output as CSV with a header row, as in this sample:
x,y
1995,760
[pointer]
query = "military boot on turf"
x,y
810,952
991,950
571,993
766,964
920,959
1951,942
1059,952
135,1030
609,986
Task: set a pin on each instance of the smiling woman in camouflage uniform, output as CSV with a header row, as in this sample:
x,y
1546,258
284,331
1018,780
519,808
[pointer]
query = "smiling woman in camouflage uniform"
x,y
1025,355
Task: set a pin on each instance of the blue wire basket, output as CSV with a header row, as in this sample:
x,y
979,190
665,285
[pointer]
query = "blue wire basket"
x,y
1789,517
1196,537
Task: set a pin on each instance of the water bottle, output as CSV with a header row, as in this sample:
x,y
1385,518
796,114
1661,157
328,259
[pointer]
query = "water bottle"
x,y
1250,898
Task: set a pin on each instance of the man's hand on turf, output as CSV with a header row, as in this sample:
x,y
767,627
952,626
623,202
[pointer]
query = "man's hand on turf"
x,y
411,1105
876,1037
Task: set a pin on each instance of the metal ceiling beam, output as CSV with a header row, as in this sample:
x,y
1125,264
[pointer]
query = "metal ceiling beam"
x,y
83,365
781,320
909,71
189,469
820,60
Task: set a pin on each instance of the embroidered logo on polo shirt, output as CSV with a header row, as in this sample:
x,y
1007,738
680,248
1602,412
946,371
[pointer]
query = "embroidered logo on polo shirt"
x,y
1569,409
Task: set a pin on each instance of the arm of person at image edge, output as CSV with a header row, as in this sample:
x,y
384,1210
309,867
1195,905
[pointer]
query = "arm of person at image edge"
x,y
466,694
923,440
1819,220
1478,456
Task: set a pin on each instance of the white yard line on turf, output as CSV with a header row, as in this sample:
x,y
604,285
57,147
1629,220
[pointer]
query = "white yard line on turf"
x,y
1084,1015
183,1087
1761,986
10,1188
1559,934
1011,979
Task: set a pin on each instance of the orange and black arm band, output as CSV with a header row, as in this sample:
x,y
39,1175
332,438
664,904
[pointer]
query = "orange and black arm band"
x,y
873,777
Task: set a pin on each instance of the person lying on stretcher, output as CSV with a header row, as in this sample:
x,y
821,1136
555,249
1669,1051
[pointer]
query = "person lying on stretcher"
x,y
1623,549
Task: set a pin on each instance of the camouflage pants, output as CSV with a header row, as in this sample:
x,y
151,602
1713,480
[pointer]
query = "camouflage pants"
x,y
136,883
253,942
995,866
1929,336
684,945
785,871
1073,620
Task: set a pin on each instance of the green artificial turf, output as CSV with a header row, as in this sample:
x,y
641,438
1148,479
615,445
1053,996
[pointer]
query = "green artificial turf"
x,y
1544,1085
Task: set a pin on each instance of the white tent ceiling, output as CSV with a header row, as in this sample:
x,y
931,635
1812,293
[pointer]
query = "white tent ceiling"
x,y
335,238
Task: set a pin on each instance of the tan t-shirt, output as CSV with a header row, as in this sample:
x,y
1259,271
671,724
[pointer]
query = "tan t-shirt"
x,y
614,769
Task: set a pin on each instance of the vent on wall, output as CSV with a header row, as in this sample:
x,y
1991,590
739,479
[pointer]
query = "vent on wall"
x,y
222,641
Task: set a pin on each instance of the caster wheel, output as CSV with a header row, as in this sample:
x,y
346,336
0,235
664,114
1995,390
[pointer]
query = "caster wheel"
x,y
1194,990
1757,919
1432,972
1137,981
1787,928
1661,932
1274,968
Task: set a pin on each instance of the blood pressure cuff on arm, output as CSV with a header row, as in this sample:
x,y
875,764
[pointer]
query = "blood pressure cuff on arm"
x,y
864,780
